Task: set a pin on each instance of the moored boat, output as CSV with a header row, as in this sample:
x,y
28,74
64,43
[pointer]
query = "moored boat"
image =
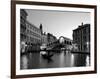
x,y
47,54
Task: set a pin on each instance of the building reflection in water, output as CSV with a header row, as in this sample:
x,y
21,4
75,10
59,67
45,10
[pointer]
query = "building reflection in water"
x,y
24,62
87,60
62,59
72,60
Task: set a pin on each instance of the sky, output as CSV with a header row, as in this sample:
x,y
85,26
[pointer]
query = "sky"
x,y
58,23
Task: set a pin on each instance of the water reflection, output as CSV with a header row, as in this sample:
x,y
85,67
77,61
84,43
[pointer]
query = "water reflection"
x,y
72,60
87,60
24,62
60,59
80,60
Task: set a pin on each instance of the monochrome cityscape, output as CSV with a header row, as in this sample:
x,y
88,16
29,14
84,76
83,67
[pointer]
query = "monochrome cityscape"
x,y
43,46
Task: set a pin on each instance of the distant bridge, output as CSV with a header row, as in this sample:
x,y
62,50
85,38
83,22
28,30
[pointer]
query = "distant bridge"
x,y
62,42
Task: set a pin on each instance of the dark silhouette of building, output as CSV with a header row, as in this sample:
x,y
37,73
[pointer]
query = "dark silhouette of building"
x,y
81,37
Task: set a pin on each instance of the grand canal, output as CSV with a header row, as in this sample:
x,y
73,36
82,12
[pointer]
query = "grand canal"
x,y
61,59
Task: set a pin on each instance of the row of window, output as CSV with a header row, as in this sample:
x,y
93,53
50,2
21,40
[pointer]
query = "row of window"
x,y
83,38
33,34
33,28
23,13
33,40
23,37
82,31
22,20
84,47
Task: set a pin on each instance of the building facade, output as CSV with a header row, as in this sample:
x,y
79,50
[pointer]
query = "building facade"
x,y
51,38
33,36
81,37
43,35
29,33
44,38
23,18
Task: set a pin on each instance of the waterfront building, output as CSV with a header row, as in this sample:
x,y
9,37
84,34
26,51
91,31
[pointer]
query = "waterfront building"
x,y
44,38
51,38
43,35
33,37
81,37
23,18
29,33
33,34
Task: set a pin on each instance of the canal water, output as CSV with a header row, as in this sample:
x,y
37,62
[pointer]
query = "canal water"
x,y
62,59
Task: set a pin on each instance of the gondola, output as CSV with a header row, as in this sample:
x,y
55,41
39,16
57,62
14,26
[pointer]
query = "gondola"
x,y
47,56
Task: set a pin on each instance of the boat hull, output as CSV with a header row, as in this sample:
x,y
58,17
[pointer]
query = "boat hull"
x,y
47,56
